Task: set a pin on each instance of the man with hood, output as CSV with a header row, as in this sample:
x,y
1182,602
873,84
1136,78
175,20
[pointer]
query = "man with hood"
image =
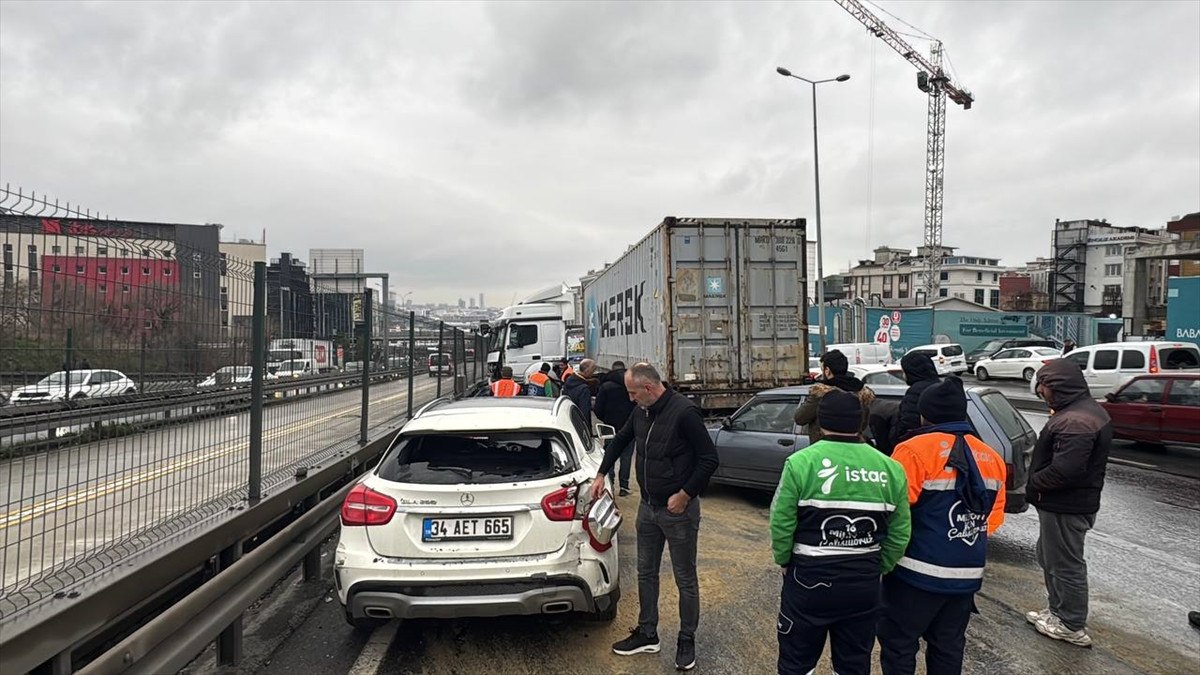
x,y
956,494
576,387
920,373
1066,476
613,408
835,369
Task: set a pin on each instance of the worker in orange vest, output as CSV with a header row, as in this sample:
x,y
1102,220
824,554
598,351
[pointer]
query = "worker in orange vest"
x,y
505,387
541,384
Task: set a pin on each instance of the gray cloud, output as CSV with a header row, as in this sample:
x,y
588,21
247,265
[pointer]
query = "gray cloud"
x,y
504,147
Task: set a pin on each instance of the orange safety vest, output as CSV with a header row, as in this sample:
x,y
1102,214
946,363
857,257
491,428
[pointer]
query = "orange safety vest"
x,y
567,373
505,388
539,379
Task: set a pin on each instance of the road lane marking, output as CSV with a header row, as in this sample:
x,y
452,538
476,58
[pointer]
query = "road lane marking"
x,y
38,510
1130,462
371,657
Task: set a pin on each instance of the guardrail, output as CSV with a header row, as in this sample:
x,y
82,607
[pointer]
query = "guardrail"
x,y
169,463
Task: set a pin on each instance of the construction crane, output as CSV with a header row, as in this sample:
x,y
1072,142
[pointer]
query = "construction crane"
x,y
932,80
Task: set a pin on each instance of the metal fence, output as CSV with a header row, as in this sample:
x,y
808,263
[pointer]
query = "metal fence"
x,y
152,382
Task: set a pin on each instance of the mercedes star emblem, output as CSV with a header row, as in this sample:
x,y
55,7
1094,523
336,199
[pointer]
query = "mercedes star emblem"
x,y
467,499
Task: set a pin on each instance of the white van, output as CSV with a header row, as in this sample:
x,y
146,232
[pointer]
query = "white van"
x,y
1108,365
863,353
948,358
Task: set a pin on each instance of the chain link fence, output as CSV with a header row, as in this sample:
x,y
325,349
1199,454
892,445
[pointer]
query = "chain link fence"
x,y
136,405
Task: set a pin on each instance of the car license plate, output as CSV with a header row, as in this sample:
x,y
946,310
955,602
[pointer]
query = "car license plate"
x,y
461,529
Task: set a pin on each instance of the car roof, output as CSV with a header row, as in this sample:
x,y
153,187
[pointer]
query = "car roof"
x,y
1158,345
520,412
880,389
1170,374
936,346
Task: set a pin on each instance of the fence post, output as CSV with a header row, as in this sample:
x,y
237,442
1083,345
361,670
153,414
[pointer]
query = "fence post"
x,y
412,351
229,642
258,340
366,367
67,364
142,364
441,341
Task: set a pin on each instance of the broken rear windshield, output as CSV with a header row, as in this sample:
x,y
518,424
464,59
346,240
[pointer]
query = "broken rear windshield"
x,y
490,457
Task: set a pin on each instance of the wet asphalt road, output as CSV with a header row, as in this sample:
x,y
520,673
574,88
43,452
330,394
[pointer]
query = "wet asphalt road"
x,y
1144,562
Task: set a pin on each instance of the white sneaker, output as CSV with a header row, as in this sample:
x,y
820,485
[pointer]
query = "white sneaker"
x,y
1040,615
1053,628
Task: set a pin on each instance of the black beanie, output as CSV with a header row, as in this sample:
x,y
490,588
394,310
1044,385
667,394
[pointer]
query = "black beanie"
x,y
944,402
836,362
840,412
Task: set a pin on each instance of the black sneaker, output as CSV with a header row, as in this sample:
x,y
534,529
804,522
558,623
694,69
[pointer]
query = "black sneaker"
x,y
624,492
685,655
637,643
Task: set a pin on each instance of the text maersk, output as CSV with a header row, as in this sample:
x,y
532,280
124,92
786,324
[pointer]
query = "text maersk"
x,y
621,314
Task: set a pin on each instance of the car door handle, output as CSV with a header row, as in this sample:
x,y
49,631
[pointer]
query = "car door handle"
x,y
1154,409
535,357
785,442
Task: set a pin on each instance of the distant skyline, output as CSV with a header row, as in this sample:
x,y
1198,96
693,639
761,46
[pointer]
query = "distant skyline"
x,y
510,146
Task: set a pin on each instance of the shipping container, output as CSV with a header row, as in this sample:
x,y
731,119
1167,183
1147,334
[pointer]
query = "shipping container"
x,y
717,305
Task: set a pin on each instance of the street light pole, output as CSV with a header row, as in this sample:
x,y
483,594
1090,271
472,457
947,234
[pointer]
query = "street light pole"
x,y
817,198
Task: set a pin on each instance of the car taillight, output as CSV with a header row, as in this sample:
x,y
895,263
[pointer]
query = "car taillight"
x,y
1153,360
364,506
560,504
1009,475
592,540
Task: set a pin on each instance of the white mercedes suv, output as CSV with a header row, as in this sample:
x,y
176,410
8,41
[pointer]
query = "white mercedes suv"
x,y
478,508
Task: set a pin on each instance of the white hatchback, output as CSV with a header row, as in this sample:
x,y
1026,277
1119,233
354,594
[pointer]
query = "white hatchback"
x,y
948,358
82,384
479,508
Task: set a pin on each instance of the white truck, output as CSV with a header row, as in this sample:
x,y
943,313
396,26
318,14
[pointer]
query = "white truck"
x,y
541,328
300,355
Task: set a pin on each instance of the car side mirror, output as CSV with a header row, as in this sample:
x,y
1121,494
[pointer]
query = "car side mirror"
x,y
1111,397
726,424
605,431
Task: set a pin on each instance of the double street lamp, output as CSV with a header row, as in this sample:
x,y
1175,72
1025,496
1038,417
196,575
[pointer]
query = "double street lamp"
x,y
817,192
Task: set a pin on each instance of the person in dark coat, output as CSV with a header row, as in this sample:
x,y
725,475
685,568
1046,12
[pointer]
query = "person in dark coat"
x,y
1066,476
835,368
920,373
576,388
613,408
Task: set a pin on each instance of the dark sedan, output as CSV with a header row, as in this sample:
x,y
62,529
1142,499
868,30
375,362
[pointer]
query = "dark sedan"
x,y
755,441
1157,409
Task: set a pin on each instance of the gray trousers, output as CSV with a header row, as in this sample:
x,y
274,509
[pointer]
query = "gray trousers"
x,y
1060,553
657,526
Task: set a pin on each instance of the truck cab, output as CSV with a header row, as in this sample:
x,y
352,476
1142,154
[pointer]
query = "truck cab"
x,y
527,334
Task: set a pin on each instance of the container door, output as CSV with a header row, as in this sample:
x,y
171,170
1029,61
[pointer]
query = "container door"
x,y
703,296
772,292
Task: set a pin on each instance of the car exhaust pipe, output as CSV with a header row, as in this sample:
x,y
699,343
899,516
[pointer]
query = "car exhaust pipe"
x,y
378,612
557,607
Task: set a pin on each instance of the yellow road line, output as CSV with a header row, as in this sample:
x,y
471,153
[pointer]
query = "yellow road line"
x,y
18,516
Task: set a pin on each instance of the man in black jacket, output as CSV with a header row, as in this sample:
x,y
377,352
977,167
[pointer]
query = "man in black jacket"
x,y
920,373
613,407
675,459
576,388
1066,476
835,370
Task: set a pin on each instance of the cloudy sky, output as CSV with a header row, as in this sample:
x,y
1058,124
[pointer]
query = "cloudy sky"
x,y
504,147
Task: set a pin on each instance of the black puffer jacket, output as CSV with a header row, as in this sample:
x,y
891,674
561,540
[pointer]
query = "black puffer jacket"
x,y
920,373
1066,474
612,400
674,449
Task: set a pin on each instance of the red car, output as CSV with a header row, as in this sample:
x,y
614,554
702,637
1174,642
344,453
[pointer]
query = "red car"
x,y
1162,408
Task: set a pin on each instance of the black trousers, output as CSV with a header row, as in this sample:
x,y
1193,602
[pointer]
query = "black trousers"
x,y
910,614
816,605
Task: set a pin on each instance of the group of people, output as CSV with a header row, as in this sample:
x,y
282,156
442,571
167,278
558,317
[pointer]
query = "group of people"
x,y
882,541
880,526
